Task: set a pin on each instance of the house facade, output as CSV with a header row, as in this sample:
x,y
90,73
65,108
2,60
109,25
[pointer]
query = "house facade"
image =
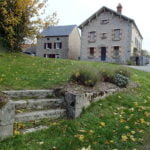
x,y
59,42
110,36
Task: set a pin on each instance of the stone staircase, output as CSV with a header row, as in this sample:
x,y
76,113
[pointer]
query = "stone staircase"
x,y
33,105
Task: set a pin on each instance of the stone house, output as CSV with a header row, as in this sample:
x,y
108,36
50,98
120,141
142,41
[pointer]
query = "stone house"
x,y
110,36
59,42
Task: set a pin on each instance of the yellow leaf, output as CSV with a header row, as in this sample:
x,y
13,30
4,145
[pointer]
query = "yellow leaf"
x,y
102,124
124,138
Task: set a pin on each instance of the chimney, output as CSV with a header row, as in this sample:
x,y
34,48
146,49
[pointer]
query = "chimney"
x,y
119,8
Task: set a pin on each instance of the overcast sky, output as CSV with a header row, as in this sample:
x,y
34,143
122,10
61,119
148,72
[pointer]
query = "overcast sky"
x,y
76,11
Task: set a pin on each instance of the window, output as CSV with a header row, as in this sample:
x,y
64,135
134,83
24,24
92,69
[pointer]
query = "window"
x,y
47,38
103,36
116,51
92,36
91,51
104,21
47,45
117,34
58,45
57,39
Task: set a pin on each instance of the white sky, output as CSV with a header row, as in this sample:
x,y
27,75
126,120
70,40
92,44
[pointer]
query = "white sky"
x,y
76,11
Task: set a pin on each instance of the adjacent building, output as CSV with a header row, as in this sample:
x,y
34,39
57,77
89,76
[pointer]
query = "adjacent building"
x,y
59,42
110,36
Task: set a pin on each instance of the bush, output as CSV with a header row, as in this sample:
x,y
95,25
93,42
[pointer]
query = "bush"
x,y
107,75
85,75
121,80
131,62
123,71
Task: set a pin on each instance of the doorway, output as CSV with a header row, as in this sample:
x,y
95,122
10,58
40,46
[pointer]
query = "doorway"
x,y
103,53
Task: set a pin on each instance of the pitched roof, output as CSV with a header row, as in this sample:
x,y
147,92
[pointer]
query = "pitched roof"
x,y
58,30
108,9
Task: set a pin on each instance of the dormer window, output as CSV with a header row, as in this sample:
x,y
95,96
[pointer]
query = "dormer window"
x,y
104,21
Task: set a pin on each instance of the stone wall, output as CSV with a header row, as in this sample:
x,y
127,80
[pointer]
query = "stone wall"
x,y
75,103
63,52
7,115
115,22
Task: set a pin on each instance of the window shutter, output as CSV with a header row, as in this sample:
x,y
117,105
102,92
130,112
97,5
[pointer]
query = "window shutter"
x,y
113,34
60,45
120,51
95,36
88,36
54,45
49,45
112,51
44,45
121,34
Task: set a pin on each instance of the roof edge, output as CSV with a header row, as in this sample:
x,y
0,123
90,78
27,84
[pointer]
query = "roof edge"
x,y
103,8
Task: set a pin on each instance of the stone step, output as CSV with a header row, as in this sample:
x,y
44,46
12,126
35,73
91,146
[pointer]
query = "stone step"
x,y
29,93
38,104
30,130
36,115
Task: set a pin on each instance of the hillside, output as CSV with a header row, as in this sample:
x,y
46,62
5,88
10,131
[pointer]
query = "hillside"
x,y
120,121
20,71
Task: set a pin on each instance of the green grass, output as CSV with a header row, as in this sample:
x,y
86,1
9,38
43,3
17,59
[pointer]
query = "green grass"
x,y
104,125
19,71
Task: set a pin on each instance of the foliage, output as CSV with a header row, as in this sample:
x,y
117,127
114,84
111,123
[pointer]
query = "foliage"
x,y
119,76
145,53
21,19
123,71
85,75
121,80
107,74
131,62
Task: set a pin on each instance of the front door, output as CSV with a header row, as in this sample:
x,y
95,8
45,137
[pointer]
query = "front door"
x,y
103,53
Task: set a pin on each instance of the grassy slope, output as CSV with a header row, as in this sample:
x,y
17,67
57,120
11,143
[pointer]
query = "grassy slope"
x,y
123,113
19,71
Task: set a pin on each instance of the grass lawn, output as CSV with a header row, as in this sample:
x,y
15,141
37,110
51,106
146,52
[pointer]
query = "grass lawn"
x,y
119,122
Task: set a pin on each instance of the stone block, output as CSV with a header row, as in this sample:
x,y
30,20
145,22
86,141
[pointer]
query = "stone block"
x,y
6,131
7,114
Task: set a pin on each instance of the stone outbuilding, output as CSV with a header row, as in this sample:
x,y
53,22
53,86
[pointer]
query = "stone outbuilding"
x,y
110,36
59,42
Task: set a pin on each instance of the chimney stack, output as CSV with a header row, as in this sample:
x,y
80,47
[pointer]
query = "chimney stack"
x,y
119,8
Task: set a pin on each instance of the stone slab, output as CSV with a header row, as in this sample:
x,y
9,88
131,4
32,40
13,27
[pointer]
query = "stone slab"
x,y
36,115
29,93
34,129
6,131
37,104
7,114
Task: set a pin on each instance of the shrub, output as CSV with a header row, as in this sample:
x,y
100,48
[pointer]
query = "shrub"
x,y
85,75
123,71
121,80
131,62
107,75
